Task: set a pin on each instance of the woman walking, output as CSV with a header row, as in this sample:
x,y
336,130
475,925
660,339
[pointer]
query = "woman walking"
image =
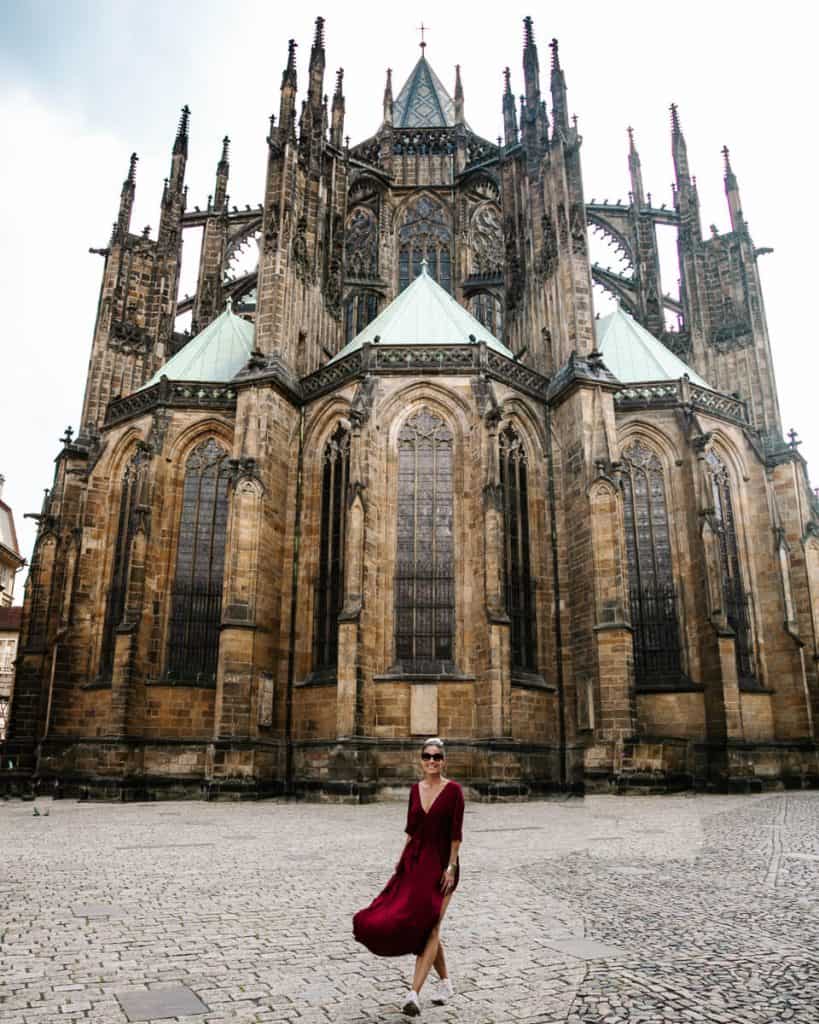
x,y
406,917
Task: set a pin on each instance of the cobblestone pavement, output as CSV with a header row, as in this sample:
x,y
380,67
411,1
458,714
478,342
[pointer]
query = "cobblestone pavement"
x,y
608,909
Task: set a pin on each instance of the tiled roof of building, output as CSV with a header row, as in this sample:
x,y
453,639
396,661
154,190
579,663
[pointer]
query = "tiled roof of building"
x,y
633,355
11,619
215,355
423,102
424,314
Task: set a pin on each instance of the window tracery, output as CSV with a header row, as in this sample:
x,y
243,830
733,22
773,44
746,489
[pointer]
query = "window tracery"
x,y
652,597
424,572
737,605
425,234
329,595
361,245
196,595
488,309
360,309
486,241
519,584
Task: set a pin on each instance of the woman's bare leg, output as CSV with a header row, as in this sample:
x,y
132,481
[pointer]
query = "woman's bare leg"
x,y
428,957
439,963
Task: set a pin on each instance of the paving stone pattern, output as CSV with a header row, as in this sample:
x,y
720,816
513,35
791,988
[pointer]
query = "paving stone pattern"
x,y
646,910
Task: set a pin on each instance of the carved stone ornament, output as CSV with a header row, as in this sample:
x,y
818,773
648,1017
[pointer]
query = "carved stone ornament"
x,y
128,337
487,241
301,259
271,231
333,283
362,402
548,253
577,228
361,245
562,226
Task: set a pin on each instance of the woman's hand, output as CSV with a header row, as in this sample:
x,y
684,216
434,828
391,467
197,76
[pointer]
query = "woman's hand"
x,y
448,880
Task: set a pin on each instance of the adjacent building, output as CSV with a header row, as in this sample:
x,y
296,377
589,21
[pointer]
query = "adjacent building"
x,y
402,481
10,564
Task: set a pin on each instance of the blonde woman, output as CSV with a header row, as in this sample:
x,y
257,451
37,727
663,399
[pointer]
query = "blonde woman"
x,y
406,917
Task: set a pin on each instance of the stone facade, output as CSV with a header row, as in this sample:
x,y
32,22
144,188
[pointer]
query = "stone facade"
x,y
670,633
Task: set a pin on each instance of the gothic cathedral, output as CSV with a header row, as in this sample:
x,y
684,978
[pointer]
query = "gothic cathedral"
x,y
400,481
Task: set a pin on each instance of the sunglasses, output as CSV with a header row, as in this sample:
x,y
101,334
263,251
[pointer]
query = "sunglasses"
x,y
431,757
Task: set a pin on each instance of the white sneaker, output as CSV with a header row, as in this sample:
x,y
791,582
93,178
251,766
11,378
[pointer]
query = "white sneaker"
x,y
411,1007
444,992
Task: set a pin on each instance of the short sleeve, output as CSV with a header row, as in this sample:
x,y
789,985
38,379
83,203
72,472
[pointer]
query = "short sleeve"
x,y
457,832
412,815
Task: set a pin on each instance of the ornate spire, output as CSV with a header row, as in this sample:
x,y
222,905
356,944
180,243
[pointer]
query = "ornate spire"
x,y
122,224
131,179
181,141
337,120
222,173
635,170
388,98
732,193
510,114
678,148
560,106
289,76
531,67
459,96
287,107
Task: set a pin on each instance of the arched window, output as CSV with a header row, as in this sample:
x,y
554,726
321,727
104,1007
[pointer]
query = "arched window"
x,y
425,235
737,610
488,309
360,309
335,475
520,597
654,621
424,571
196,596
127,521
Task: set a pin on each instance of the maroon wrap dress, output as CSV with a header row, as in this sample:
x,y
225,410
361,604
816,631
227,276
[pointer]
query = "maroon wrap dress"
x,y
399,920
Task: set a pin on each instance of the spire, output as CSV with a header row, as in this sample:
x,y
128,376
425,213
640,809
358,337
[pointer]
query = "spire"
x,y
337,125
635,170
531,67
678,148
126,200
287,108
315,88
560,106
388,98
459,96
222,173
510,118
181,142
732,193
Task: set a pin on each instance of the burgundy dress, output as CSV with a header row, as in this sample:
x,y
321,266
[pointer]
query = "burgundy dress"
x,y
399,920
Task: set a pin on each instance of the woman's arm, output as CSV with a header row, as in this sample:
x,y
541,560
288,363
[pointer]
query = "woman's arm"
x,y
448,877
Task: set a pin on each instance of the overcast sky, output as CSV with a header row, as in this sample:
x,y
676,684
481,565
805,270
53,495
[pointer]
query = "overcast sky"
x,y
83,84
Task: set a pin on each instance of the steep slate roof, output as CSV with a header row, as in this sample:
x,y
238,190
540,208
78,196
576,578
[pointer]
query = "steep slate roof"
x,y
216,354
633,355
423,102
424,314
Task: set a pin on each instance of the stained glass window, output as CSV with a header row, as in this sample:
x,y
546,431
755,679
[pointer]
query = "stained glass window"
x,y
488,309
117,591
424,572
361,309
520,596
737,609
652,597
425,235
329,595
196,596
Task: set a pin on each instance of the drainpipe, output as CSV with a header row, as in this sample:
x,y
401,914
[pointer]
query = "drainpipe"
x,y
561,703
291,653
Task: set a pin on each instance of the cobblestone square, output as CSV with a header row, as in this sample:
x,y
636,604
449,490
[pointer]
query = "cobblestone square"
x,y
609,909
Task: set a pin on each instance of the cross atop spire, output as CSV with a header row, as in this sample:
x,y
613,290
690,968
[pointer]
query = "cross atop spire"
x,y
422,28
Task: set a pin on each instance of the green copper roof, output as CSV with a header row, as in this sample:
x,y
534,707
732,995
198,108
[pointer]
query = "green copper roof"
x,y
424,314
633,355
423,102
216,354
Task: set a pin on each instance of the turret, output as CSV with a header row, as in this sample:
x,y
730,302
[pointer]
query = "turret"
x,y
459,96
388,98
732,193
126,202
510,118
560,106
337,126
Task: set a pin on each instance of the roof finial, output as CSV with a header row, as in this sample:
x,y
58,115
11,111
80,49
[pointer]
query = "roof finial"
x,y
225,149
318,39
553,46
422,28
528,35
132,169
507,82
727,158
424,266
229,304
675,119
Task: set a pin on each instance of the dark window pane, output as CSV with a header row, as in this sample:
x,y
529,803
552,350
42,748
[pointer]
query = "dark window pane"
x,y
519,585
329,594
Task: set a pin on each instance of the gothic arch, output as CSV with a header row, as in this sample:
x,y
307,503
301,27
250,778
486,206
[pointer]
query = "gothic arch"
x,y
188,438
451,404
517,411
322,422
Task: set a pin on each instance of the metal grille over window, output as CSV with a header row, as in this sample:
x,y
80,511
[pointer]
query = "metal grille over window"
x,y
130,497
737,604
424,572
520,589
196,596
330,583
425,235
653,599
361,309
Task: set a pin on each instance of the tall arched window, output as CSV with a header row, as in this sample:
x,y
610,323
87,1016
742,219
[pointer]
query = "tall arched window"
x,y
520,597
488,309
654,621
196,597
737,610
425,235
424,571
335,475
130,497
360,309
